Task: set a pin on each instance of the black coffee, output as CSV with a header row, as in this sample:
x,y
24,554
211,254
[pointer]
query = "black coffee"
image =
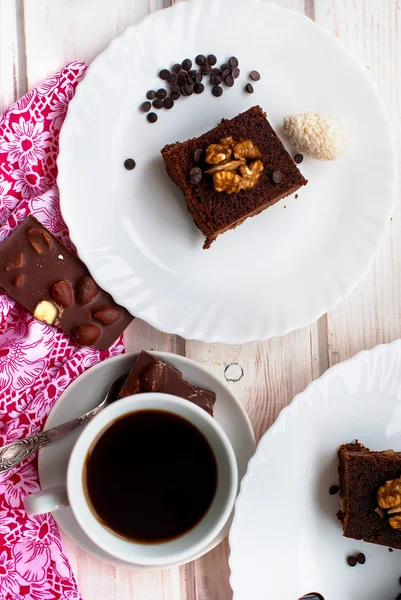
x,y
151,476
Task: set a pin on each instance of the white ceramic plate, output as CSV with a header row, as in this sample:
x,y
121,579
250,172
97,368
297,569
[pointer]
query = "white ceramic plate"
x,y
286,540
277,271
84,394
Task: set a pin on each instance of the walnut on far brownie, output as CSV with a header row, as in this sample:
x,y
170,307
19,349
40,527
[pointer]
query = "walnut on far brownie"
x,y
150,374
215,212
364,491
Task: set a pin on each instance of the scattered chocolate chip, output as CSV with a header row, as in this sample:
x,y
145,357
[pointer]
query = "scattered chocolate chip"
x,y
277,176
200,59
151,117
399,579
211,59
192,72
249,88
129,163
150,94
198,77
188,89
199,88
298,158
175,96
224,66
164,74
176,68
225,73
217,91
190,80
145,106
182,79
87,289
195,175
107,315
173,78
157,103
254,75
334,489
216,80
361,558
39,240
18,280
62,293
187,64
351,560
197,155
236,73
175,88
205,69
215,71
233,62
168,103
391,550
229,81
87,334
161,93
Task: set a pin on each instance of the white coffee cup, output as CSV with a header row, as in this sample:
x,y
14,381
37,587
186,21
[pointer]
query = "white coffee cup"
x,y
178,549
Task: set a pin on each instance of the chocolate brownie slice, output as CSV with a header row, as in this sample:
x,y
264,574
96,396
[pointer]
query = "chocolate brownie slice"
x,y
362,473
216,212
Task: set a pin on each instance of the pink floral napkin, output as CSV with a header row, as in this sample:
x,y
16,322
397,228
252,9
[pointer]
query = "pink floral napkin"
x,y
36,362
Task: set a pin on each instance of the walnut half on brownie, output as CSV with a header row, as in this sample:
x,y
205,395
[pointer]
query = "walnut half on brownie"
x,y
233,172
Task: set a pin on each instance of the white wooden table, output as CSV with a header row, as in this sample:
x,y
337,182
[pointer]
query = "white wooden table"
x,y
37,37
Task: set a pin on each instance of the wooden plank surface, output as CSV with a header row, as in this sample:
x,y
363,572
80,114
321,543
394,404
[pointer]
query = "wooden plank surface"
x,y
39,36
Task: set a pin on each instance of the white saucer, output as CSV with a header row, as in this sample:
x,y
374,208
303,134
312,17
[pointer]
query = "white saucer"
x,y
85,393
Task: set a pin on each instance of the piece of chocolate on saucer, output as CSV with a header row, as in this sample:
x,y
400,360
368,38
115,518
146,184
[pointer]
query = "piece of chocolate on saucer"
x,y
150,374
370,499
235,171
38,271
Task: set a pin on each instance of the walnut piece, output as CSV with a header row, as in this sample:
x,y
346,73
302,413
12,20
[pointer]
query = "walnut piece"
x,y
389,499
232,174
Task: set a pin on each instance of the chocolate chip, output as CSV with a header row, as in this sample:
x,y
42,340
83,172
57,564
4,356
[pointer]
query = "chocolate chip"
x,y
192,72
198,77
188,89
205,69
215,71
277,176
216,80
254,75
107,315
186,64
351,560
176,68
87,288
236,73
224,67
211,59
298,158
229,81
168,103
157,103
249,88
334,489
200,59
62,293
161,93
145,106
151,117
175,96
129,163
199,88
173,78
182,80
87,334
195,175
217,91
361,558
225,73
197,155
175,88
391,550
150,94
164,74
233,62
190,80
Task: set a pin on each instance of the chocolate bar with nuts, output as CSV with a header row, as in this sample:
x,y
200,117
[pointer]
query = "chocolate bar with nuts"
x,y
55,286
150,374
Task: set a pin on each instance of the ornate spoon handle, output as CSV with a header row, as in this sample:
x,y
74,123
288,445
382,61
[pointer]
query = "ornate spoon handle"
x,y
15,452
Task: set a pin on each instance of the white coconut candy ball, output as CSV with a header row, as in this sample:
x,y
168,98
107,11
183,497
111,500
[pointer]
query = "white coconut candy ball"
x,y
320,136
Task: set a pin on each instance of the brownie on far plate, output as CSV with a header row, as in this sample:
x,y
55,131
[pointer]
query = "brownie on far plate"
x,y
214,212
150,374
363,473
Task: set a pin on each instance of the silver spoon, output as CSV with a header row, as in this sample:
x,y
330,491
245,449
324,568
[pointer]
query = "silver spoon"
x,y
15,452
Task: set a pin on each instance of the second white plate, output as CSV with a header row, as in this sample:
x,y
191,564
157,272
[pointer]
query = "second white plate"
x,y
276,272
